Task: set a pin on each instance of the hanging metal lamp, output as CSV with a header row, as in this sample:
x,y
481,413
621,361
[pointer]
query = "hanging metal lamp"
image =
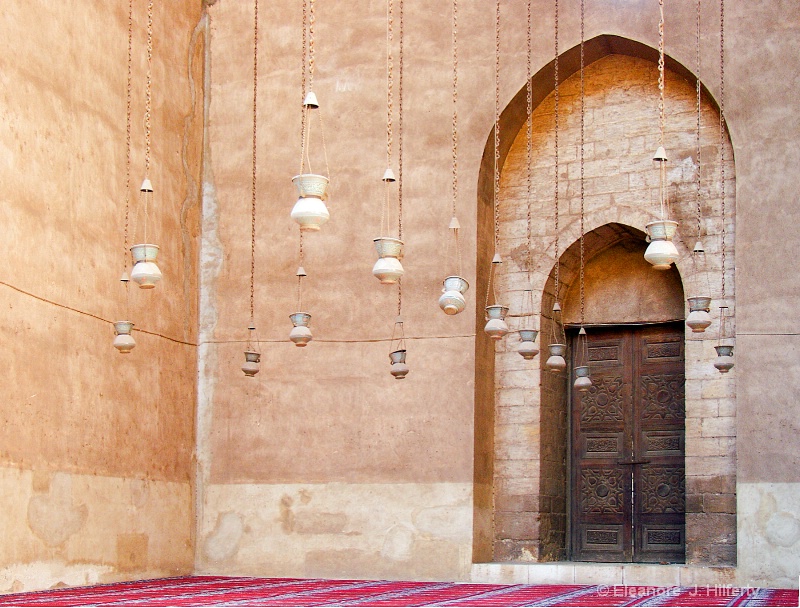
x,y
310,211
556,361
123,340
496,326
300,334
387,268
724,361
397,357
699,318
661,252
452,300
527,346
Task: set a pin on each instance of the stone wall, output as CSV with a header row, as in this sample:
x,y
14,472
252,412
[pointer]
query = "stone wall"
x,y
621,189
95,447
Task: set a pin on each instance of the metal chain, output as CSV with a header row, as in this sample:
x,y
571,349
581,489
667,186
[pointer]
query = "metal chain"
x,y
148,105
400,147
455,105
304,113
529,141
556,99
583,123
300,276
697,63
128,96
455,131
400,124
148,89
311,23
389,80
722,127
661,71
255,147
497,127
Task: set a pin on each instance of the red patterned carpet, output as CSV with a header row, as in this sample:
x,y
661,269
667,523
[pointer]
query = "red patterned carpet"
x,y
239,591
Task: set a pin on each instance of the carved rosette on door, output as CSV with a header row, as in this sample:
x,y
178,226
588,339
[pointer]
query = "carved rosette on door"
x,y
628,475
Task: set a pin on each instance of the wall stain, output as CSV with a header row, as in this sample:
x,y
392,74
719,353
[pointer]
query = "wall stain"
x,y
54,516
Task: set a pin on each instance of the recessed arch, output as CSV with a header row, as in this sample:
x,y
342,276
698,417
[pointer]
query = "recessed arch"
x,y
510,522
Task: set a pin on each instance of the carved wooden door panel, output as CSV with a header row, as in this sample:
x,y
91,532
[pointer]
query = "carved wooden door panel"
x,y
628,487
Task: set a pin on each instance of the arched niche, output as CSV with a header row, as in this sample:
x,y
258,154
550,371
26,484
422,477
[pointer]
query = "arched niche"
x,y
520,511
620,286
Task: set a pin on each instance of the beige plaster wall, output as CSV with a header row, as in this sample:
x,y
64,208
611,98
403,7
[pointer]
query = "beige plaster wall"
x,y
95,448
330,413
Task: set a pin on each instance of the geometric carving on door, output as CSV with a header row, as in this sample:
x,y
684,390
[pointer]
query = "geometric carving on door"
x,y
663,489
602,490
604,401
662,397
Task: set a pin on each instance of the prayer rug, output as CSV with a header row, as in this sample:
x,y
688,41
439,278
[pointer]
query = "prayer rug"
x,y
273,592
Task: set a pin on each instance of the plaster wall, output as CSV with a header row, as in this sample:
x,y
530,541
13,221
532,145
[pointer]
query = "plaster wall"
x,y
95,447
332,414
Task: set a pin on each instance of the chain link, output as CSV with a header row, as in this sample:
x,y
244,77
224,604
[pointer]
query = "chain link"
x,y
661,71
497,127
255,164
556,99
455,105
583,129
400,123
529,140
300,276
389,80
303,86
128,96
699,109
311,56
148,89
455,133
722,128
401,42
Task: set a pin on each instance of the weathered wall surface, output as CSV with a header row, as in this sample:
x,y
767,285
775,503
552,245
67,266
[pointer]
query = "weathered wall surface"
x,y
621,190
330,414
95,447
323,464
322,456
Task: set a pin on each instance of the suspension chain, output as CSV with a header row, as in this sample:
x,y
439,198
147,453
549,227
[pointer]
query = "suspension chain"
x,y
148,89
128,96
389,80
497,127
529,142
400,122
661,71
455,105
303,86
699,108
583,123
556,99
722,127
311,23
455,132
255,164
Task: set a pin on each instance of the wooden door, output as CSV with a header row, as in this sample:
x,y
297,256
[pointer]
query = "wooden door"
x,y
628,476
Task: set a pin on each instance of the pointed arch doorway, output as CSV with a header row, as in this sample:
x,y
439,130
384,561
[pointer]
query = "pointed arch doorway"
x,y
626,481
